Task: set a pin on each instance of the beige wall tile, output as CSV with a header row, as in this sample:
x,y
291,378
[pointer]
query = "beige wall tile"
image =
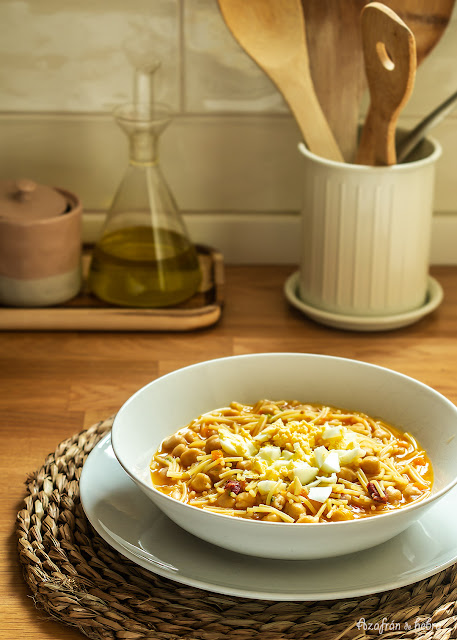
x,y
74,56
233,146
219,75
214,164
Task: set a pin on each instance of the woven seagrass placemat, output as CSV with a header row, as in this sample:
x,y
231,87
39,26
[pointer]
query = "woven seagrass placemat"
x,y
77,578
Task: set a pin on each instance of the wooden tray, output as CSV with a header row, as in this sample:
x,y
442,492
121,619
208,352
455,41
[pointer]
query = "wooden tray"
x,y
87,313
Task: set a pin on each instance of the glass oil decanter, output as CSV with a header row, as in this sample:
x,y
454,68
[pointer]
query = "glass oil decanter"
x,y
144,257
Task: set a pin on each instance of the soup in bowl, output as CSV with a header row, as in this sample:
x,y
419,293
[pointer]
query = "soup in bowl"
x,y
289,455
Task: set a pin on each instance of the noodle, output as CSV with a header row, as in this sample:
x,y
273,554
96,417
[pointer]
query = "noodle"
x,y
286,461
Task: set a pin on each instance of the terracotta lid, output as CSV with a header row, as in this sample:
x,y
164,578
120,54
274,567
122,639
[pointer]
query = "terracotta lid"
x,y
26,200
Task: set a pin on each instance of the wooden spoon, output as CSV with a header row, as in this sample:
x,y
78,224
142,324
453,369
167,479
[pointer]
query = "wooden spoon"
x,y
427,19
337,68
336,56
272,32
390,65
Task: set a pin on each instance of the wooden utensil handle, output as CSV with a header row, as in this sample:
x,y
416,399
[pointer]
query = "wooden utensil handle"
x,y
390,63
377,141
296,88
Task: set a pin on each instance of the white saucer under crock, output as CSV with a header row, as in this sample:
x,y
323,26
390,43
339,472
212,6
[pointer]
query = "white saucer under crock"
x,y
364,323
128,521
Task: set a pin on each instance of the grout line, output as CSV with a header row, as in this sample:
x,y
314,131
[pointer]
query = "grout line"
x,y
76,115
246,238
183,113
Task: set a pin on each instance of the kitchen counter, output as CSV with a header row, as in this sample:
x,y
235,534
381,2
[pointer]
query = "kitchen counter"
x,y
54,384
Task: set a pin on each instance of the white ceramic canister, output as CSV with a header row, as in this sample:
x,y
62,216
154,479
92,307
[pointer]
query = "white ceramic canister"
x,y
40,244
366,234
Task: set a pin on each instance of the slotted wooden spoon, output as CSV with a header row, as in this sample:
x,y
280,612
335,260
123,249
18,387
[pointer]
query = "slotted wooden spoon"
x,y
272,32
336,56
390,65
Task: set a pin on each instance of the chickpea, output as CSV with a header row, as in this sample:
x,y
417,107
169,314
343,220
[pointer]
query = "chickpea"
x,y
201,482
212,444
225,501
393,494
246,465
163,475
271,517
411,491
172,441
190,436
342,514
189,456
380,433
370,465
295,509
215,472
178,450
347,474
401,483
306,518
278,501
176,494
367,448
398,450
244,500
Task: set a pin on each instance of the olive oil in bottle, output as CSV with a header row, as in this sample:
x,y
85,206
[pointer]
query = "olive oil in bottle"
x,y
144,257
144,267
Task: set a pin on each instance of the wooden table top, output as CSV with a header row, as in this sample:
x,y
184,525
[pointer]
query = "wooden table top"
x,y
55,384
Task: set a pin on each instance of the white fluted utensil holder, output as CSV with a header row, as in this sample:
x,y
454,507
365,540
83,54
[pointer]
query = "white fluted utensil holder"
x,y
366,234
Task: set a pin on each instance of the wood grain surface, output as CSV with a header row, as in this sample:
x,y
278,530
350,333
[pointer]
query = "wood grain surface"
x,y
53,385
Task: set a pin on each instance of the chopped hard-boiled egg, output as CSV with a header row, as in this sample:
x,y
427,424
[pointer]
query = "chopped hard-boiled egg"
x,y
331,433
320,453
287,452
320,494
269,453
303,471
267,432
331,462
265,486
236,445
349,455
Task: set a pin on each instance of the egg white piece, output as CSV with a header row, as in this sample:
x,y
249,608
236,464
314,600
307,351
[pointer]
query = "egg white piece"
x,y
304,472
331,463
320,494
236,445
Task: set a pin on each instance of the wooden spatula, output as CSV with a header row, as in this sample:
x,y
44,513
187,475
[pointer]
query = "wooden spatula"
x,y
427,19
272,32
390,65
337,68
336,56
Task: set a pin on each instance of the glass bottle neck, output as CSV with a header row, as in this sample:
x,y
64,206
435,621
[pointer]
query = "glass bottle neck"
x,y
143,149
143,125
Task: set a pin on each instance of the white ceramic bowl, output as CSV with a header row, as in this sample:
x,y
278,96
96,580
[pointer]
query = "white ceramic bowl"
x,y
170,402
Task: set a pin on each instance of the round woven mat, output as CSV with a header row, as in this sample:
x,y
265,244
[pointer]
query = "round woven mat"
x,y
79,579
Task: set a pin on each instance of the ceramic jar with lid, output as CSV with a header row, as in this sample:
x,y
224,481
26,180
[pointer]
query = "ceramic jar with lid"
x,y
40,244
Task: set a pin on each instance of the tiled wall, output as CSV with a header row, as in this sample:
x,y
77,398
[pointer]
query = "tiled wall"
x,y
232,147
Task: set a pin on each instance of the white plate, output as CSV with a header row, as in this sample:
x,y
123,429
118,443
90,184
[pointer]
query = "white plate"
x,y
364,323
126,519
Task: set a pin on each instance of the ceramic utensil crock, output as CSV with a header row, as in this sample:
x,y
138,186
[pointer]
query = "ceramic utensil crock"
x,y
366,234
40,244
